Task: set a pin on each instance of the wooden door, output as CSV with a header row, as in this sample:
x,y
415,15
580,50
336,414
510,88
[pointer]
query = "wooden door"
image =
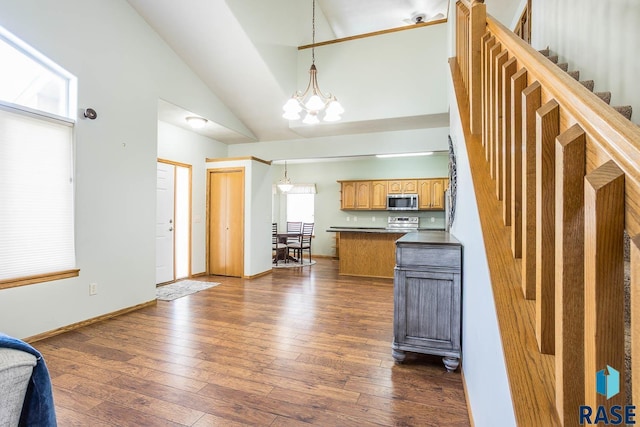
x,y
395,187
437,194
424,194
226,222
378,194
348,197
363,195
409,186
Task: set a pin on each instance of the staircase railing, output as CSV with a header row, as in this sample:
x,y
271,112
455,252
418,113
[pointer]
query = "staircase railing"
x,y
563,168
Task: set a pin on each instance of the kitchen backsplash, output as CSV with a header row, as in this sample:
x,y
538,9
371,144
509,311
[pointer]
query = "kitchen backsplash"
x,y
431,219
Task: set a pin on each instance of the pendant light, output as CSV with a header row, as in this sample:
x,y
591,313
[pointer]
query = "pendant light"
x,y
285,183
312,101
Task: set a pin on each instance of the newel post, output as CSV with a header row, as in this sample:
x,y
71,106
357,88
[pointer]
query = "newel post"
x,y
478,22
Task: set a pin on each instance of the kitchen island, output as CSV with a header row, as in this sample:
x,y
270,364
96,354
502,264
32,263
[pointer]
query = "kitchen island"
x,y
367,251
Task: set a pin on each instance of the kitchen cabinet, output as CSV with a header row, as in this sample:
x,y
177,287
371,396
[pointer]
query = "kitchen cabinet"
x,y
378,194
428,297
226,222
431,193
363,195
348,195
372,194
403,186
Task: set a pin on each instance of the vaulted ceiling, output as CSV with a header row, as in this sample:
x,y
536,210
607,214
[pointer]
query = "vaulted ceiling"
x,y
246,52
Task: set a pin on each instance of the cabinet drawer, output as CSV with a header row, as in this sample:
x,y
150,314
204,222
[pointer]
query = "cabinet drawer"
x,y
429,256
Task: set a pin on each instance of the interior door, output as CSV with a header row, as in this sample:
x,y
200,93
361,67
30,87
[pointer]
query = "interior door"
x,y
165,194
226,222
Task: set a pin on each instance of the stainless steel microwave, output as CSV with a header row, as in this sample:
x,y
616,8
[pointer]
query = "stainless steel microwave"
x,y
402,202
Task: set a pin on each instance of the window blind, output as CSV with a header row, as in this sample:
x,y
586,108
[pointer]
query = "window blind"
x,y
36,196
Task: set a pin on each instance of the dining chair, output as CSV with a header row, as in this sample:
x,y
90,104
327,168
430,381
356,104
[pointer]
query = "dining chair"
x,y
294,227
281,250
304,243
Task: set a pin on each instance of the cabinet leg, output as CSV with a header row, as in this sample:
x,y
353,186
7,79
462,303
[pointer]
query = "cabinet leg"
x,y
451,363
398,355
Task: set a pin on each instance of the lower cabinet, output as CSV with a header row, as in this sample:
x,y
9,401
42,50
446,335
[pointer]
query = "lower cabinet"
x,y
428,297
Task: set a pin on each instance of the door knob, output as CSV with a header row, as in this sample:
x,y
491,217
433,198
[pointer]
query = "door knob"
x,y
170,228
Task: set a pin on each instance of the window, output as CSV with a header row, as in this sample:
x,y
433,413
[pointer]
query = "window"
x,y
301,203
36,168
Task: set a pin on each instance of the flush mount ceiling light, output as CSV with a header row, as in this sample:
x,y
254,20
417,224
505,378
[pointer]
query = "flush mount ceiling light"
x,y
196,122
312,100
386,156
285,183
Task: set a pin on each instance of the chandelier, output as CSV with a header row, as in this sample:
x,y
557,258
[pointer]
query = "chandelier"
x,y
285,183
312,100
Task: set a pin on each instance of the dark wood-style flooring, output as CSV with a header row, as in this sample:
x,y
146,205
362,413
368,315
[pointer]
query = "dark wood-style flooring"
x,y
298,347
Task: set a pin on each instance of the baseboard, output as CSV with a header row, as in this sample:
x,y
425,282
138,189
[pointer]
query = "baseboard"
x,y
466,398
255,276
204,273
325,256
88,322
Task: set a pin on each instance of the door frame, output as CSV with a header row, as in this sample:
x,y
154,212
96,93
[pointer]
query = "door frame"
x,y
189,214
235,169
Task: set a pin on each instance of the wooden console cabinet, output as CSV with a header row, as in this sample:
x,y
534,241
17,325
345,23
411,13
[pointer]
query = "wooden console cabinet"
x,y
428,297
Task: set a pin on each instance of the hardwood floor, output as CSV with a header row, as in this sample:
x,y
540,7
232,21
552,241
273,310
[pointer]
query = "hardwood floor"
x,y
301,346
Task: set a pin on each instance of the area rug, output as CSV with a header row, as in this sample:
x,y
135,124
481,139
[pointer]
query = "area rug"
x,y
181,289
292,264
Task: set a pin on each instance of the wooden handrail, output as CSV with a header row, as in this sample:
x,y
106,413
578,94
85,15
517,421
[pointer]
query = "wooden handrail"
x,y
576,181
615,137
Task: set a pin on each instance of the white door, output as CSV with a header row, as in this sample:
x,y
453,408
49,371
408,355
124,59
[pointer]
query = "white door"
x,y
165,194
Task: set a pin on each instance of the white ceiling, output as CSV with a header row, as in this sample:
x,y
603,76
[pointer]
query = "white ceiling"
x,y
224,41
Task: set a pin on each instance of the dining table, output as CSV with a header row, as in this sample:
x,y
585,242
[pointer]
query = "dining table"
x,y
283,254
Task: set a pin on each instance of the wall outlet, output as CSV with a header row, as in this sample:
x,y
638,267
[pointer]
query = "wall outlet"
x,y
373,219
348,218
433,219
93,288
355,219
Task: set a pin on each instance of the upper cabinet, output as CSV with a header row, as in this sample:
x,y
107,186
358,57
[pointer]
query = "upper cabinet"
x,y
348,192
403,186
372,195
363,195
431,193
379,194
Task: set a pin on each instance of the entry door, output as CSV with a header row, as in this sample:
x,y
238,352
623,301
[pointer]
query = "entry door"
x,y
165,202
226,222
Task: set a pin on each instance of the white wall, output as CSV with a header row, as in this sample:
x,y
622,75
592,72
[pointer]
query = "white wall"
x,y
599,38
257,213
482,355
123,68
412,65
183,146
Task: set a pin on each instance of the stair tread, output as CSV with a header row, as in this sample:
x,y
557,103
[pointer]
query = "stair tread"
x,y
605,96
625,110
589,84
553,58
575,74
563,66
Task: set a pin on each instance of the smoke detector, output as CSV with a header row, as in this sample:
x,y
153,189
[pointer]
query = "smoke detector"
x,y
418,17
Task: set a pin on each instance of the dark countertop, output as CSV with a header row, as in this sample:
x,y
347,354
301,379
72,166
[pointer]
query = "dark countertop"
x,y
341,229
429,238
364,230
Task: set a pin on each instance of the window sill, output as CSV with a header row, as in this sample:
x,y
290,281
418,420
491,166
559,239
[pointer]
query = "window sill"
x,y
30,280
